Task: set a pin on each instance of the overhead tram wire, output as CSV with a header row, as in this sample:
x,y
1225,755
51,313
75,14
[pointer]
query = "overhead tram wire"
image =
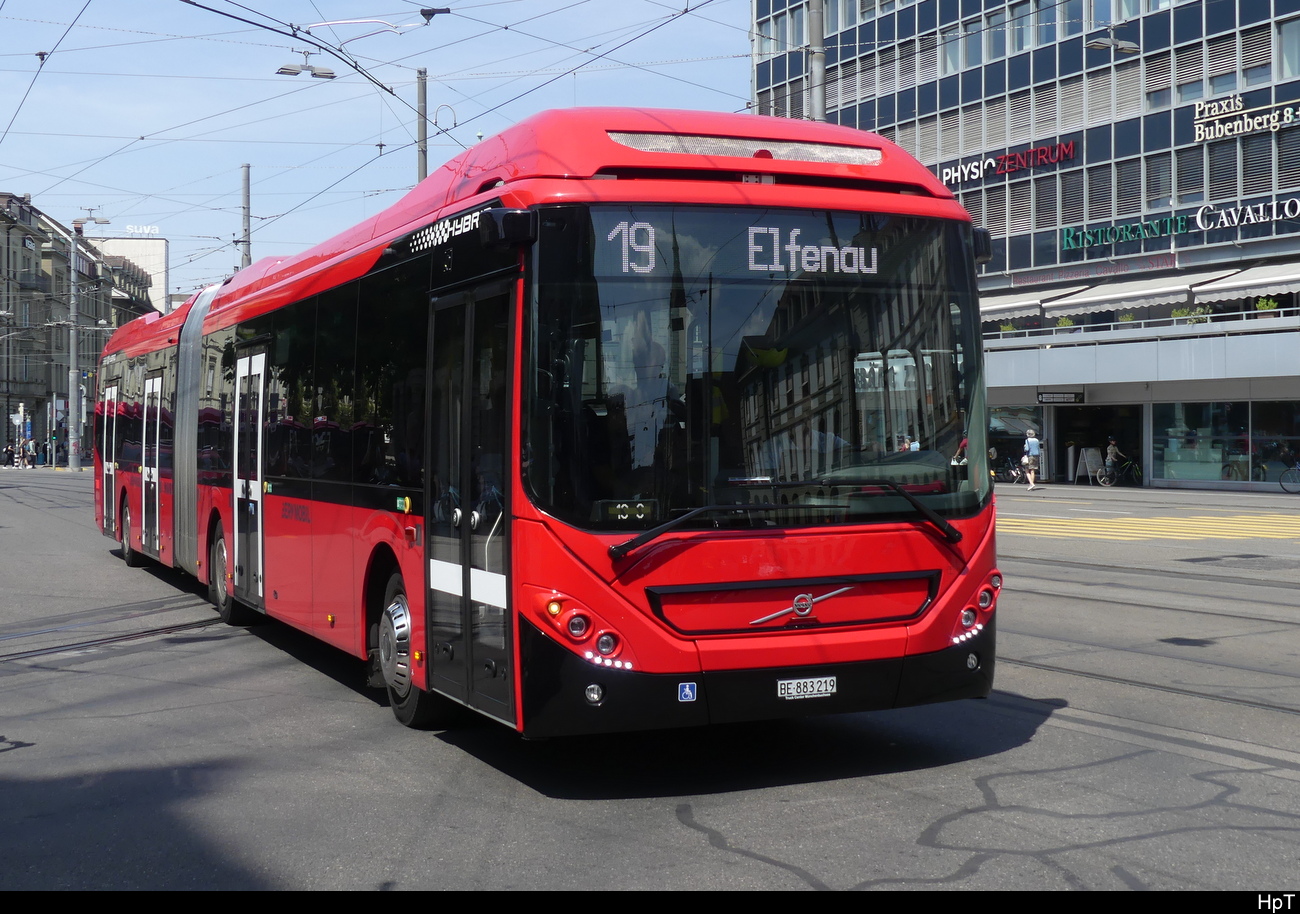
x,y
358,68
299,34
273,219
514,27
190,207
627,64
147,136
572,70
43,55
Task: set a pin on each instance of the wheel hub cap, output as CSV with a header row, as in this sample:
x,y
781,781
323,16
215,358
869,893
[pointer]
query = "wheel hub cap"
x,y
395,647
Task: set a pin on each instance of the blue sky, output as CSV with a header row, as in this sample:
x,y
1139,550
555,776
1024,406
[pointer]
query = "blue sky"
x,y
145,110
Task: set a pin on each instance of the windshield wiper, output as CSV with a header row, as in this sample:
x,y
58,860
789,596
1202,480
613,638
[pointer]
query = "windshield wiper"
x,y
950,533
622,549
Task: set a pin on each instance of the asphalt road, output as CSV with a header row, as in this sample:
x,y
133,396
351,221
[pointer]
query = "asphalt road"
x,y
1143,735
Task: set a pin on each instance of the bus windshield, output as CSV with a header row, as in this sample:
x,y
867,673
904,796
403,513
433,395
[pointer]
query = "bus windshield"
x,y
690,357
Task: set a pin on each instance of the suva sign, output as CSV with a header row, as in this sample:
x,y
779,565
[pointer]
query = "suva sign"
x,y
142,230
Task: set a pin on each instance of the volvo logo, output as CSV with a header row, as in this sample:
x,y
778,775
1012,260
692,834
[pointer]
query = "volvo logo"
x,y
801,605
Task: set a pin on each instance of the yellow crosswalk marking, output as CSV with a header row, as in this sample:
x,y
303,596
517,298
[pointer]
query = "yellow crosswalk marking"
x,y
1133,529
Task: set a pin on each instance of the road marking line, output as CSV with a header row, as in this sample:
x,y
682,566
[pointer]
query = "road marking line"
x,y
1129,529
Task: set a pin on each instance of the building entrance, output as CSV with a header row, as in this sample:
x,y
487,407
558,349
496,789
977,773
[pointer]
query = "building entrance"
x,y
1091,426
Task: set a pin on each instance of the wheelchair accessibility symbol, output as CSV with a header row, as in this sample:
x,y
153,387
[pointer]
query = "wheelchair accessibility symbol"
x,y
686,691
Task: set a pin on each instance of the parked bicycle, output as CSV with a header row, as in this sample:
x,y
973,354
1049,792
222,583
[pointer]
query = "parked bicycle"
x,y
1235,471
1128,471
1010,471
1290,479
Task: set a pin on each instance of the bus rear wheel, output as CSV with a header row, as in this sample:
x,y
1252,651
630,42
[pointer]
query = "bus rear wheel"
x,y
412,706
132,558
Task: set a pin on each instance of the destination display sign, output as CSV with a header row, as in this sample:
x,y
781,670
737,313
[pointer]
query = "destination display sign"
x,y
659,243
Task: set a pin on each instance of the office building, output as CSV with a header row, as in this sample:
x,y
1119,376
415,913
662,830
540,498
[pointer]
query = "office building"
x,y
1138,163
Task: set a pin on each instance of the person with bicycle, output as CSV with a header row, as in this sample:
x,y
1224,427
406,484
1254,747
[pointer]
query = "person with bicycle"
x,y
1114,455
1109,474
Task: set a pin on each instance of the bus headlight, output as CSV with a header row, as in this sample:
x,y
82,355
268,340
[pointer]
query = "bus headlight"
x,y
578,626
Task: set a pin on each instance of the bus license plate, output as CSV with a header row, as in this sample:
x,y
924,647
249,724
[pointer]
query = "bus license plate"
x,y
816,687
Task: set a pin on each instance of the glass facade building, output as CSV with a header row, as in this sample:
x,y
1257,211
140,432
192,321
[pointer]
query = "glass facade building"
x,y
1138,165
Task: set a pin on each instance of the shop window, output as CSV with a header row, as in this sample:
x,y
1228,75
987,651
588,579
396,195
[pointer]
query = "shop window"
x,y
1201,441
1275,438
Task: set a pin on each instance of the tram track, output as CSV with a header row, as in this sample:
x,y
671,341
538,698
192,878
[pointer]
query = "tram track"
x,y
1157,687
1049,583
1137,604
105,640
105,615
1038,561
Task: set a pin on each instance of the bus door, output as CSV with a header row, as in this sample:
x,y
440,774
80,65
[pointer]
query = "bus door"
x,y
150,463
108,457
250,414
470,632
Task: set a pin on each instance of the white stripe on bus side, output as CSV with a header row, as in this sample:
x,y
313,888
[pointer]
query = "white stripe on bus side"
x,y
486,587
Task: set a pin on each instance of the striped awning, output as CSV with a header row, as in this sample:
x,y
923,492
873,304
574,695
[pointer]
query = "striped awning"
x,y
1273,279
1025,303
1171,289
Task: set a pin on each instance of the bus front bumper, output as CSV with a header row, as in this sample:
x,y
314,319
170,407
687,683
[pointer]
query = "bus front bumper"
x,y
565,695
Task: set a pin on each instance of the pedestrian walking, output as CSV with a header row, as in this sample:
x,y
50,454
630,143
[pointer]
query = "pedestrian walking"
x,y
1033,449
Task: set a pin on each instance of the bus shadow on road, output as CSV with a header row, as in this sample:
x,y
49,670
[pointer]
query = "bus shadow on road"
x,y
718,759
70,834
712,760
758,755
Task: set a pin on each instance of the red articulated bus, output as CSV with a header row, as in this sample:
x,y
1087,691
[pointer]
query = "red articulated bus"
x,y
623,419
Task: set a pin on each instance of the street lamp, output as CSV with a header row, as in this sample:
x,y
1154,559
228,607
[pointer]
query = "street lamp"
x,y
293,69
8,317
421,75
1110,42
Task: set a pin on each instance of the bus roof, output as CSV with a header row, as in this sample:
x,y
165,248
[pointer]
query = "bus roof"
x,y
593,144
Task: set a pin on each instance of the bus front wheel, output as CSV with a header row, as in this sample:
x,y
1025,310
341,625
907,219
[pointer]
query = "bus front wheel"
x,y
412,706
229,610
